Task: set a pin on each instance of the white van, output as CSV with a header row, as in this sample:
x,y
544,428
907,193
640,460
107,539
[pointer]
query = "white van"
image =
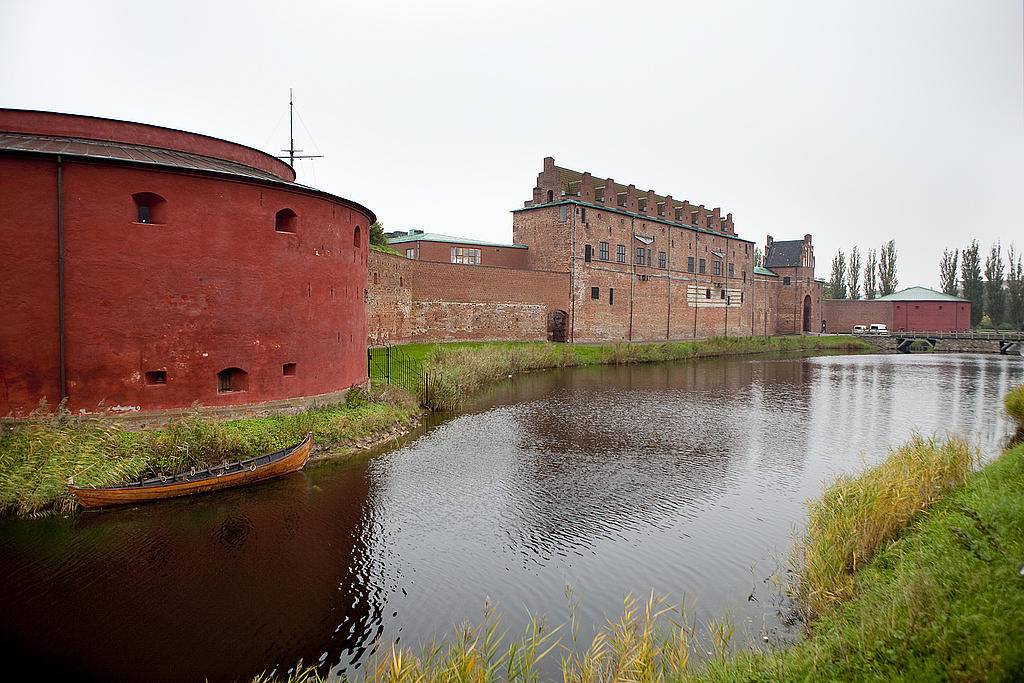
x,y
878,328
860,329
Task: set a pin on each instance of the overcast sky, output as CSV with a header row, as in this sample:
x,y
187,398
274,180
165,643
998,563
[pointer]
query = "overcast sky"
x,y
855,121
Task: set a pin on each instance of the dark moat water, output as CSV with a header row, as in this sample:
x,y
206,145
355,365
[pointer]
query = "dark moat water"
x,y
687,479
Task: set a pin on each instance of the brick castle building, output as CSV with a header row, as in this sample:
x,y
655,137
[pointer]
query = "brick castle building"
x,y
593,260
146,268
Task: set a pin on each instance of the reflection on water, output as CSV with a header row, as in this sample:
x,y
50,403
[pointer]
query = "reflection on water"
x,y
685,479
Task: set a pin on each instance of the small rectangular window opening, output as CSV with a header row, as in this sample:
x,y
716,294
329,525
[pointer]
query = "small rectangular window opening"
x,y
288,369
588,253
707,293
611,296
595,292
154,377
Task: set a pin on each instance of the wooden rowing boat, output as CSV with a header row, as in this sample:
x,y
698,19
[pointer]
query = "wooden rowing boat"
x,y
226,475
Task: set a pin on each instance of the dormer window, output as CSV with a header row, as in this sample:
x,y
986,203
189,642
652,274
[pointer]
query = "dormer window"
x,y
149,208
286,220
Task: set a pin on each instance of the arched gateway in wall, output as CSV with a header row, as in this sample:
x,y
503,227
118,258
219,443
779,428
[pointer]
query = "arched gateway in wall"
x,y
807,313
558,322
147,268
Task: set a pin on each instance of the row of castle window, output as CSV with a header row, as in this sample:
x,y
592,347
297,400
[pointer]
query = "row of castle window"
x,y
595,293
563,210
645,256
229,380
151,208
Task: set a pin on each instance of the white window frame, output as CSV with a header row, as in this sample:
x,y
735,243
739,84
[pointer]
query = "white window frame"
x,y
466,255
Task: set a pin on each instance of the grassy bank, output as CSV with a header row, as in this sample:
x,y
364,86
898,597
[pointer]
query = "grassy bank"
x,y
913,567
37,457
456,371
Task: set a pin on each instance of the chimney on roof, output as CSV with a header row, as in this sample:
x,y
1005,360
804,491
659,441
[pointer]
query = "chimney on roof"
x,y
549,163
768,244
807,239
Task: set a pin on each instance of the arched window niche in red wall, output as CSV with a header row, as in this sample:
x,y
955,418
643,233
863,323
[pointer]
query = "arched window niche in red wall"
x,y
286,220
356,238
230,380
150,208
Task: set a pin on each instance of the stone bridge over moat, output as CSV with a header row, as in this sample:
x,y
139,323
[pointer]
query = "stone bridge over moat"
x,y
1005,343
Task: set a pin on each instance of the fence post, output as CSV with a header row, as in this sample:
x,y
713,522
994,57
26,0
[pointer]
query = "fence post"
x,y
389,363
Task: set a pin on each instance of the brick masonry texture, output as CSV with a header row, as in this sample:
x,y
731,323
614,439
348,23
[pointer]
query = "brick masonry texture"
x,y
583,261
412,300
210,287
842,314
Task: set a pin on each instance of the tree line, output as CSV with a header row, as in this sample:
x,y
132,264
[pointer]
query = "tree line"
x,y
878,270
995,290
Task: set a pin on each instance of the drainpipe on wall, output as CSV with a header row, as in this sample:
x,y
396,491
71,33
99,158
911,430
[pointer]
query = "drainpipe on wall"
x,y
572,281
668,250
696,298
631,255
61,355
725,276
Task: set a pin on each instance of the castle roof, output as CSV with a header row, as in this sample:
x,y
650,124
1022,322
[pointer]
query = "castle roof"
x,y
919,294
784,254
398,237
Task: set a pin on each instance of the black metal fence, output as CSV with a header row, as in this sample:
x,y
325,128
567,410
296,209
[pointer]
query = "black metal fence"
x,y
389,365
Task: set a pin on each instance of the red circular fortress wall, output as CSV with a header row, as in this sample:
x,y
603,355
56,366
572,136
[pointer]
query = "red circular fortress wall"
x,y
194,271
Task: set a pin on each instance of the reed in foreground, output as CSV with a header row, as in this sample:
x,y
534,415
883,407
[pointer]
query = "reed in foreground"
x,y
858,514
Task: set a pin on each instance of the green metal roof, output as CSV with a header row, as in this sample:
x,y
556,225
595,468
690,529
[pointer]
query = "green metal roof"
x,y
448,239
919,294
758,270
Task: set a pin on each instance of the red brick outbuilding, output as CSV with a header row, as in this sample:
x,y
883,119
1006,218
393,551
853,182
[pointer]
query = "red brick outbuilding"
x,y
146,268
915,309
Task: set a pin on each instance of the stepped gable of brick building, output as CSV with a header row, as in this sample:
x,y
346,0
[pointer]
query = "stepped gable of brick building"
x,y
557,183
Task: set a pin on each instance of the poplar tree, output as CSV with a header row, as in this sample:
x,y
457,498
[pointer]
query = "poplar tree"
x,y
758,257
870,274
837,283
853,274
995,297
970,278
947,271
887,279
1015,289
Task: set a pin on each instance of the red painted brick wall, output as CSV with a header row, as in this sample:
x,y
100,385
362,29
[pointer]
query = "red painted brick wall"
x,y
213,287
944,316
921,316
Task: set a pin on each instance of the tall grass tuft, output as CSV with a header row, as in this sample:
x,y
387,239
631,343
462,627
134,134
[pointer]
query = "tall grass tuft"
x,y
858,515
38,457
455,372
1014,403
